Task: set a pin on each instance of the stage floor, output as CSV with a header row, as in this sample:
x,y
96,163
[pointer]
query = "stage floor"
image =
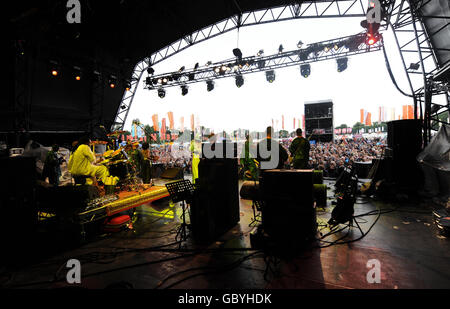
x,y
411,252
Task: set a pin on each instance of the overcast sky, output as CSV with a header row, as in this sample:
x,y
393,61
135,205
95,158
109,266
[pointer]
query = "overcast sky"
x,y
365,84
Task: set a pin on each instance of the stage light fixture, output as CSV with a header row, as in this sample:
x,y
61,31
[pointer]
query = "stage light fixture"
x,y
184,90
260,53
127,85
112,81
261,64
217,69
299,44
77,73
181,69
237,52
305,70
54,68
150,71
280,49
239,81
208,63
270,76
165,80
336,47
159,80
161,93
209,85
326,49
196,66
191,76
341,64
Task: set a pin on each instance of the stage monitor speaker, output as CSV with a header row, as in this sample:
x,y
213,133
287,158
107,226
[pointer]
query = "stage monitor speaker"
x,y
173,173
215,208
405,141
288,212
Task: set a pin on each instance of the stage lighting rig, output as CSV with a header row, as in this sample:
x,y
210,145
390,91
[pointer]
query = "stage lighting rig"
x,y
127,85
161,93
209,85
270,76
239,81
305,70
341,64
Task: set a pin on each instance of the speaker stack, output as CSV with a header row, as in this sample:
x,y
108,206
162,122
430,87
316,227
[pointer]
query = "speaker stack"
x,y
215,207
288,213
405,141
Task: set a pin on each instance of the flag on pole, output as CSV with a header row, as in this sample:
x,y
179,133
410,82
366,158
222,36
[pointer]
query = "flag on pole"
x,y
171,122
155,122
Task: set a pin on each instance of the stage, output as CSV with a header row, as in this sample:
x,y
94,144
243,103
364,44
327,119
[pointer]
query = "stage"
x,y
411,252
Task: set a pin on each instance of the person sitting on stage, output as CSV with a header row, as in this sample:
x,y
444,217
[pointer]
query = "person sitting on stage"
x,y
81,163
299,150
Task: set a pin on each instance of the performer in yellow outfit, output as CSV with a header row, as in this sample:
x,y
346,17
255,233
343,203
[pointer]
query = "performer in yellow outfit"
x,y
196,149
81,163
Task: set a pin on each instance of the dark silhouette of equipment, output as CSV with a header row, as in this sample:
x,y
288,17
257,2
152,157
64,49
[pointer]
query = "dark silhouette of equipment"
x,y
215,207
181,191
405,142
288,213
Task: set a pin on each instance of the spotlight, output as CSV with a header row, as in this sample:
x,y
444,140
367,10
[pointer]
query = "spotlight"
x,y
54,68
372,38
112,81
270,76
280,49
150,71
341,64
326,49
161,93
196,66
148,81
217,69
209,85
305,70
181,69
261,64
184,90
239,81
303,55
237,52
260,53
165,80
208,63
159,80
191,76
127,85
77,73
299,44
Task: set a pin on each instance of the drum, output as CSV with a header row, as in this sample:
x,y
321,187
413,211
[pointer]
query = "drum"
x,y
119,168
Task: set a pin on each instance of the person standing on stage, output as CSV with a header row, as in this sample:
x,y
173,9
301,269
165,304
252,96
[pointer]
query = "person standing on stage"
x,y
265,152
299,150
52,166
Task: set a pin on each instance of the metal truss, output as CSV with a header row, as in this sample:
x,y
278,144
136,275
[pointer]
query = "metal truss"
x,y
320,51
298,10
419,62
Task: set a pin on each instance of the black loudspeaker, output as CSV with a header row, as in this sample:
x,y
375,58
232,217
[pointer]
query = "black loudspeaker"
x,y
173,173
405,141
215,206
288,212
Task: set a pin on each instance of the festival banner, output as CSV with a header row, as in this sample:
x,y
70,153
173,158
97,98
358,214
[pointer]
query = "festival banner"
x,y
155,122
410,112
163,129
171,122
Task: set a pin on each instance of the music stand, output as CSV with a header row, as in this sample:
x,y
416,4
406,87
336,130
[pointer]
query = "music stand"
x,y
181,191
